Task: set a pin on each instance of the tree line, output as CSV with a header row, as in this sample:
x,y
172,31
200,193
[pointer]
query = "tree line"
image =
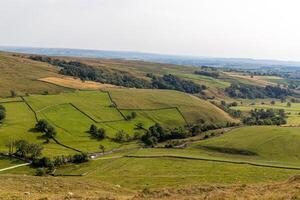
x,y
266,117
87,72
245,91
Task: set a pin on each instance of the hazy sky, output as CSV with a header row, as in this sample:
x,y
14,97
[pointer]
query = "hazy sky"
x,y
217,28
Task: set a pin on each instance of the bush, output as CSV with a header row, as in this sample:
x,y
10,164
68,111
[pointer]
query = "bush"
x,y
40,172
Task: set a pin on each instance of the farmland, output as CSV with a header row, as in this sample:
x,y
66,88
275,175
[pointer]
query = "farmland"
x,y
221,155
292,111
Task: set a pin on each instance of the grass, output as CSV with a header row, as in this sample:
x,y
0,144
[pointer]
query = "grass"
x,y
94,103
205,80
6,162
18,125
21,75
139,173
271,144
190,106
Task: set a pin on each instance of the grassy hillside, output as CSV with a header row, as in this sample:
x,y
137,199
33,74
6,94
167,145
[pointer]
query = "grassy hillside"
x,y
191,107
139,173
21,75
271,144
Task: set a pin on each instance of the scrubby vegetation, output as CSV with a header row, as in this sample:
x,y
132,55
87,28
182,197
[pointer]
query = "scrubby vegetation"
x,y
250,92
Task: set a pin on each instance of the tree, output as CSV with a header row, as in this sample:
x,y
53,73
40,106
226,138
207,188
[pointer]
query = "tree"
x,y
41,125
11,145
35,150
93,129
101,133
133,115
102,148
50,132
288,104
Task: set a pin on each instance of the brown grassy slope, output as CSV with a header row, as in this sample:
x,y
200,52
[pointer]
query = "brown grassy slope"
x,y
31,187
21,75
288,190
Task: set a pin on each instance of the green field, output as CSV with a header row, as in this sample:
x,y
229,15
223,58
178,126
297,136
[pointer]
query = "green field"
x,y
191,107
95,104
18,125
139,173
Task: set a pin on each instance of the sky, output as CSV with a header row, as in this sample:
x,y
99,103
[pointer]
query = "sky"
x,y
268,29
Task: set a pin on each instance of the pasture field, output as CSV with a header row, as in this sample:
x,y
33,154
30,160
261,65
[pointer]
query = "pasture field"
x,y
293,112
190,106
271,145
95,104
139,173
18,125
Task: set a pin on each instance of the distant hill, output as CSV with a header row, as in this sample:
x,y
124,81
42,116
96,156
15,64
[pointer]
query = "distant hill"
x,y
171,59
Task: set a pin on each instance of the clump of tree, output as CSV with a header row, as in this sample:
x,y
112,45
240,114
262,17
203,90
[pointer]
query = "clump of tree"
x,y
157,133
23,149
2,113
46,165
98,133
46,128
266,117
172,82
251,92
213,74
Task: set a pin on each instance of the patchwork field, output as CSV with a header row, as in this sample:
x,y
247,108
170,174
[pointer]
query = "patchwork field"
x,y
73,113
